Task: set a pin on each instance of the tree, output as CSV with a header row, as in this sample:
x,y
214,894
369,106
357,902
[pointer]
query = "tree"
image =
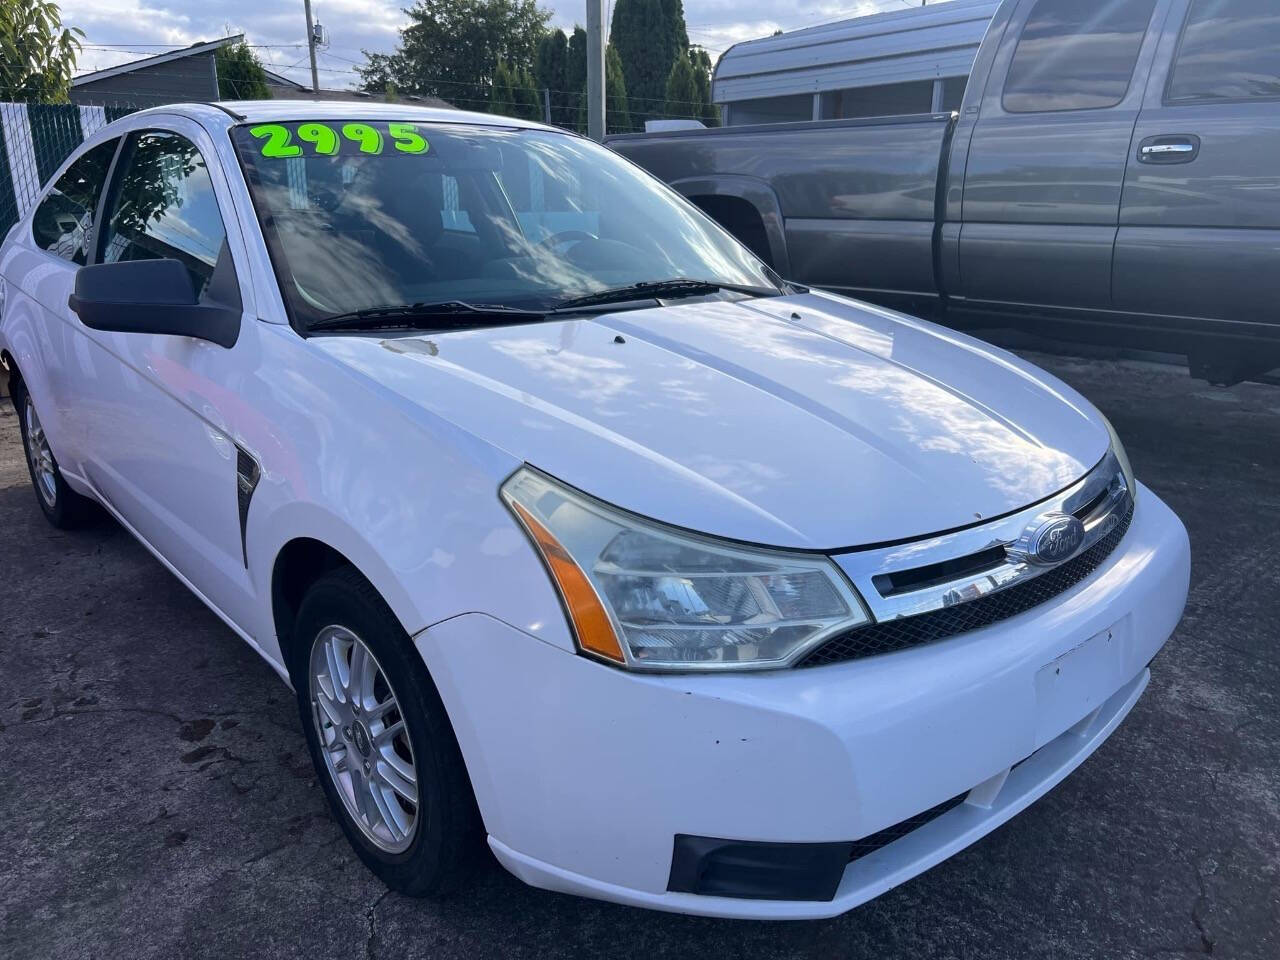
x,y
514,93
675,35
451,49
502,96
682,95
640,32
550,73
240,73
528,96
617,111
652,40
702,74
575,74
37,56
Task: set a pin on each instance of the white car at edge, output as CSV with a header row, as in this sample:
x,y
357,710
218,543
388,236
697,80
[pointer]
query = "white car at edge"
x,y
570,523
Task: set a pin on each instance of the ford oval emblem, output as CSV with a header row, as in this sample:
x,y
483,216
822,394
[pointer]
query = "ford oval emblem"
x,y
1052,539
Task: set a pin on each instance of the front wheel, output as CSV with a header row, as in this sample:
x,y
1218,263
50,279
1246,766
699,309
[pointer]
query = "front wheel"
x,y
380,739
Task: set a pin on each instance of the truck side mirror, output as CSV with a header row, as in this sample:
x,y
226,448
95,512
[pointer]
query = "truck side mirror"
x,y
150,296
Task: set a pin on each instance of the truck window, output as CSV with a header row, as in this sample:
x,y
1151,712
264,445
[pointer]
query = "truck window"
x,y
1076,55
883,100
953,92
1230,50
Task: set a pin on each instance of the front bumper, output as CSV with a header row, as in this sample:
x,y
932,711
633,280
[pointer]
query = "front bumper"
x,y
585,773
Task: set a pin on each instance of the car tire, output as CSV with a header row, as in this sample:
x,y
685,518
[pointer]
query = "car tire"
x,y
348,730
62,506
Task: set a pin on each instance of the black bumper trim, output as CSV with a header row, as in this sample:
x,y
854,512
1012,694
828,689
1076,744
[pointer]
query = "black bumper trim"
x,y
750,870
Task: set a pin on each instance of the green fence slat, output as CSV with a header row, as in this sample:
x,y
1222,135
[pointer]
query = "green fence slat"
x,y
8,199
55,132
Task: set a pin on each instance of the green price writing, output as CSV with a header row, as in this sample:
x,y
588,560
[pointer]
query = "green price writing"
x,y
320,139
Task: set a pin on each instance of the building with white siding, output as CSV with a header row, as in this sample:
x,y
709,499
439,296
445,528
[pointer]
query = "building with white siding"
x,y
914,60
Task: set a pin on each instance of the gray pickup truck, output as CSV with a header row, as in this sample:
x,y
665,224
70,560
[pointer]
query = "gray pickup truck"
x,y
1113,174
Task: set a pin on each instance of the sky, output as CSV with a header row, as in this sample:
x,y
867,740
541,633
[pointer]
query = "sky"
x,y
117,31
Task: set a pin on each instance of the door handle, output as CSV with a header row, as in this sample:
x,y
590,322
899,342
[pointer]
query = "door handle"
x,y
1177,149
1151,149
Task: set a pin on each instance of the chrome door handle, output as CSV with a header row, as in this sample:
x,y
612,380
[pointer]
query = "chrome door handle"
x,y
1156,149
1169,149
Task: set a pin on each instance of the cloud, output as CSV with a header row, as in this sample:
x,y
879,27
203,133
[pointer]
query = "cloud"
x,y
122,30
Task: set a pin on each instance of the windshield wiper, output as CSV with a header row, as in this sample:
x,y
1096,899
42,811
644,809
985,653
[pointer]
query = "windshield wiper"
x,y
654,289
424,315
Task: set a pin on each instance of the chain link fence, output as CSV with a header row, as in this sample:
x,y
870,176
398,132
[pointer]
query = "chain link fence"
x,y
34,140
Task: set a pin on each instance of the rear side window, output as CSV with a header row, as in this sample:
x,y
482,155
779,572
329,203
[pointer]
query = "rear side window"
x,y
163,207
1230,50
61,223
452,213
1076,55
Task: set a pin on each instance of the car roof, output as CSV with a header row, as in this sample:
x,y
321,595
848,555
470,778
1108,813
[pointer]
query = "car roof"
x,y
255,111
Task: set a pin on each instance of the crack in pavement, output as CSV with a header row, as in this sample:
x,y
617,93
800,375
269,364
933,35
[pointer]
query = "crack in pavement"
x,y
370,921
63,714
1206,941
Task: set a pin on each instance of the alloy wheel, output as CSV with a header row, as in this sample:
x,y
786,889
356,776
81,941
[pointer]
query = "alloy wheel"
x,y
43,470
364,739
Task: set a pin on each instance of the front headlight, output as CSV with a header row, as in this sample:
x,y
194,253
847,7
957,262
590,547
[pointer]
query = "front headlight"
x,y
654,598
1123,458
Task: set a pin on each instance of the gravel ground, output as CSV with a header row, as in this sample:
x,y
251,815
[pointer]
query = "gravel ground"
x,y
159,802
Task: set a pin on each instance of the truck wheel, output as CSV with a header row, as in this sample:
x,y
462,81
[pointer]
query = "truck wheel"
x,y
380,739
62,506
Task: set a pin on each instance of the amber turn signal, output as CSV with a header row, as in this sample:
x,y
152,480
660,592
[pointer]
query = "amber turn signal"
x,y
590,621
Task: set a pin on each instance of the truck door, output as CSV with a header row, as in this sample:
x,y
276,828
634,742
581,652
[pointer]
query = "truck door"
x,y
1200,222
1046,161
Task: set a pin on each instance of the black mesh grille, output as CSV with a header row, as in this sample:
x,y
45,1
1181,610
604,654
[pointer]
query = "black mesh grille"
x,y
939,624
900,829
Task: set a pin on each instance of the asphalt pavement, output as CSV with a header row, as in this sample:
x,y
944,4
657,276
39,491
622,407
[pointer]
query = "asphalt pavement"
x,y
157,800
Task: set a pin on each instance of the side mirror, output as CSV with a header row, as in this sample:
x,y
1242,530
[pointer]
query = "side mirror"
x,y
150,296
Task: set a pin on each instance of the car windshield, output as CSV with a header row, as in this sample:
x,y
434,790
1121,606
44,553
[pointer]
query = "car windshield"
x,y
368,215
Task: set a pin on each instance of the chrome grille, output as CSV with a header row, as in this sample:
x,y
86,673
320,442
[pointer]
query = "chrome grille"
x,y
949,621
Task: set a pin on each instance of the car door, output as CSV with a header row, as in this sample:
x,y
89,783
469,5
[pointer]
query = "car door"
x,y
62,226
1046,160
1200,224
164,409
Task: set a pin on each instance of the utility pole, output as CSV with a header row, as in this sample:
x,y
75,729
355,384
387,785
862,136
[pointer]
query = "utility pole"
x,y
311,48
595,69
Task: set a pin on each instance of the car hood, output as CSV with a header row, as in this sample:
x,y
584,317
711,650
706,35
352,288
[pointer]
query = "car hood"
x,y
804,421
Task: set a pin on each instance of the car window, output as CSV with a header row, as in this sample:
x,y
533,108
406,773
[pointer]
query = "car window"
x,y
360,215
1076,55
1230,50
163,207
61,222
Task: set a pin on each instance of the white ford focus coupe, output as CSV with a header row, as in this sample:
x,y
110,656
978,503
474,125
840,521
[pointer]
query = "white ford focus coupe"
x,y
570,523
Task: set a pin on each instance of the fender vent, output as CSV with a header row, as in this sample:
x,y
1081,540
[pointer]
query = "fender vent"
x,y
248,473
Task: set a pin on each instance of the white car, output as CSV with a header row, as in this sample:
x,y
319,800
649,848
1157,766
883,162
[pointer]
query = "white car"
x,y
571,524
